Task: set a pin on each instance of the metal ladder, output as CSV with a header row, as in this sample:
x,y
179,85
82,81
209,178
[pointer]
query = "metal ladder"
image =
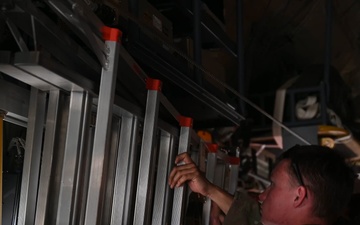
x,y
80,163
92,158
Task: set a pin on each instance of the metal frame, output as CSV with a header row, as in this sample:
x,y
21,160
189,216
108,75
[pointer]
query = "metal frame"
x,y
102,128
146,168
31,167
47,156
70,160
178,208
161,213
210,173
124,171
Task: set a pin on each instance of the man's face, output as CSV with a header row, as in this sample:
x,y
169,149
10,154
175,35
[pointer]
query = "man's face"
x,y
277,200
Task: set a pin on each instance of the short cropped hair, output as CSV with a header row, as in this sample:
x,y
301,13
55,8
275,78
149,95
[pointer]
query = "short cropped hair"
x,y
326,174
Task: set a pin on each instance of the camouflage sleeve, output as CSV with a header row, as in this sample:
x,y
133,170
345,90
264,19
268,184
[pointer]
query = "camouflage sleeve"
x,y
244,210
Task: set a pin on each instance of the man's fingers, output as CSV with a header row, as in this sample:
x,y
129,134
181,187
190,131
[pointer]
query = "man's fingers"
x,y
180,171
179,175
183,157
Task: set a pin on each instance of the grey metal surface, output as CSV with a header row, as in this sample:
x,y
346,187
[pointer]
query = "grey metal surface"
x,y
146,167
40,67
7,67
210,165
107,193
70,161
233,178
57,162
178,208
84,162
47,156
85,172
15,119
126,150
161,188
132,175
15,101
31,166
219,177
102,128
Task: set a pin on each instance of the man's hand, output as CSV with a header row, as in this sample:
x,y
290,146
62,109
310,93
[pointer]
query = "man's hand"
x,y
187,172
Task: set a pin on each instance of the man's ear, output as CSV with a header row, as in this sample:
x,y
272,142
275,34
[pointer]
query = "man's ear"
x,y
300,196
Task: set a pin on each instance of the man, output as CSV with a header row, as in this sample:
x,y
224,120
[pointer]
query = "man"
x,y
309,185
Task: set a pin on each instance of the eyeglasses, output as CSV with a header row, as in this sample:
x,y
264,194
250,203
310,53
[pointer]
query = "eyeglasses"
x,y
295,166
297,173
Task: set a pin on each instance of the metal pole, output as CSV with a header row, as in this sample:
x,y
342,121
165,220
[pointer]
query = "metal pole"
x,y
178,208
103,123
234,164
32,158
147,168
71,155
124,174
47,156
2,115
162,190
210,172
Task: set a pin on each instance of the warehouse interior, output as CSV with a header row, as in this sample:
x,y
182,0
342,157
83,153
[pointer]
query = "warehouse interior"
x,y
83,130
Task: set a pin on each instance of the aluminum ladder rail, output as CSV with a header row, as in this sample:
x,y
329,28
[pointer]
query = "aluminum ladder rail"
x,y
37,185
103,123
210,175
146,167
233,165
169,206
178,208
160,202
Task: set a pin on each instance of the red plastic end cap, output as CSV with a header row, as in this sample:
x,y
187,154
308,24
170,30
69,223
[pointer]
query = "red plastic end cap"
x,y
111,34
185,121
153,84
212,147
234,160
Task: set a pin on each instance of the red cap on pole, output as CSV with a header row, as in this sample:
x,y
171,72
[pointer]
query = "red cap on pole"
x,y
185,121
111,34
153,84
